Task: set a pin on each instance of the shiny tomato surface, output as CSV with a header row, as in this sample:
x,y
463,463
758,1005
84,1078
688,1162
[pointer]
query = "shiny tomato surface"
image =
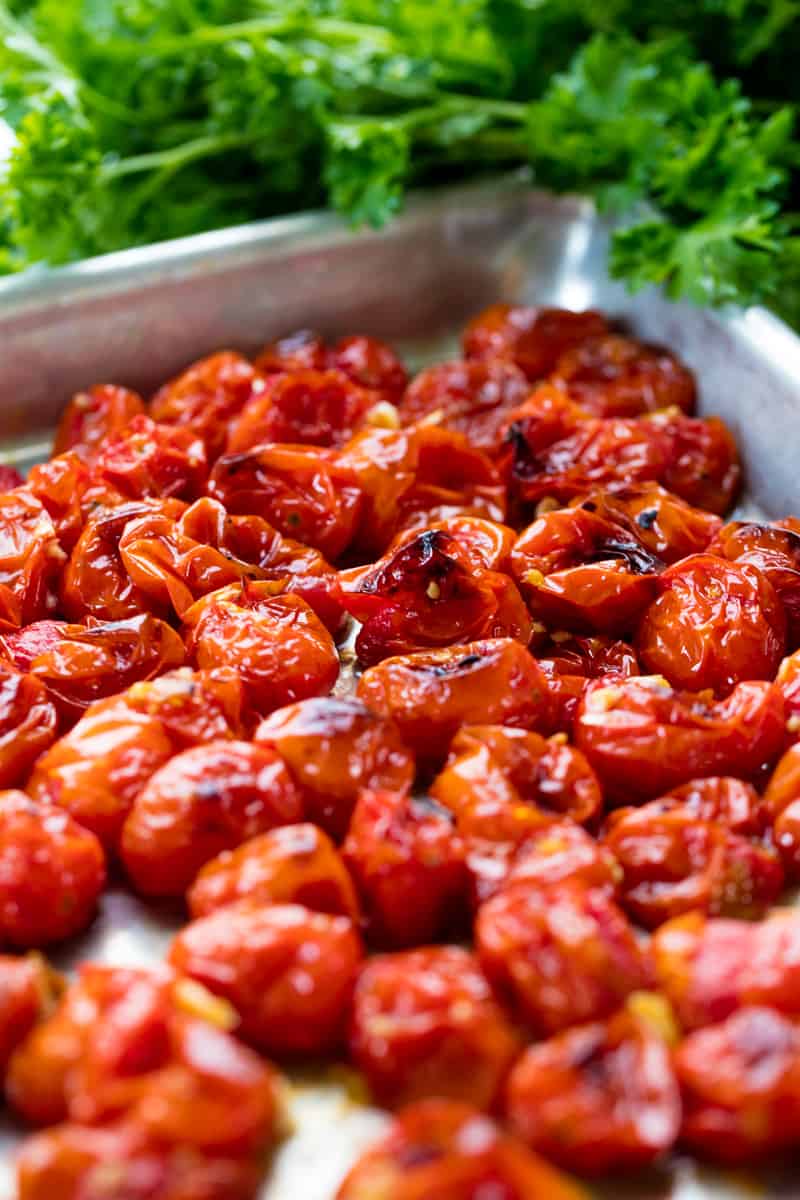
x,y
92,416
533,338
616,376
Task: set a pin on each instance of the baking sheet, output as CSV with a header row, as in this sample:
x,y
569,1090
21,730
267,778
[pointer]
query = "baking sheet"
x,y
139,316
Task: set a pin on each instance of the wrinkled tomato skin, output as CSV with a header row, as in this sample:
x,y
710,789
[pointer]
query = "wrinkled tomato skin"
x,y
740,1081
643,738
450,470
431,694
28,987
299,351
310,408
194,707
28,724
704,467
206,396
446,1150
580,572
372,364
334,747
782,802
533,338
301,493
666,525
425,1023
382,465
30,558
714,624
280,647
621,377
206,800
673,862
598,1098
94,661
91,417
570,662
22,645
293,864
559,956
407,862
75,1162
725,799
51,873
775,552
151,460
487,544
97,769
473,396
286,970
561,852
788,680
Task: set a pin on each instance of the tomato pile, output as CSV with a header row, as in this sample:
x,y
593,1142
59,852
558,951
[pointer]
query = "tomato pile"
x,y
521,875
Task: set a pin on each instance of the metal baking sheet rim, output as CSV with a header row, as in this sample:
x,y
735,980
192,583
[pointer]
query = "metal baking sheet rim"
x,y
451,253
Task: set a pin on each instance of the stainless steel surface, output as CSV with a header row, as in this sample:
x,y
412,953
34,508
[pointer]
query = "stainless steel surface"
x,y
139,316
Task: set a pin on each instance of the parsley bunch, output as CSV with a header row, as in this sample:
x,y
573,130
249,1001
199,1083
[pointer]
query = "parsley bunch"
x,y
129,121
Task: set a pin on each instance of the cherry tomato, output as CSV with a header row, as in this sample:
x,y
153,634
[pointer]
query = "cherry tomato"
x,y
287,971
312,408
533,338
276,642
451,471
570,661
445,1150
562,851
714,624
51,873
147,459
432,693
334,747
580,572
382,463
29,989
408,865
733,803
31,559
194,707
425,1023
294,864
473,397
28,724
782,802
10,478
560,955
372,364
207,395
616,376
643,738
92,416
775,552
788,680
488,544
203,801
665,525
22,645
597,1098
298,351
704,468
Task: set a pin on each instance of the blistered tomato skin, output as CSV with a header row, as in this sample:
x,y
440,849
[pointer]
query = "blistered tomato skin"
x,y
51,873
559,956
446,1150
431,694
209,394
775,552
293,864
407,862
335,746
473,397
91,417
280,647
580,572
643,738
28,724
425,1023
666,525
301,407
533,338
194,707
151,460
487,544
203,801
601,1097
31,559
372,364
715,624
286,970
620,377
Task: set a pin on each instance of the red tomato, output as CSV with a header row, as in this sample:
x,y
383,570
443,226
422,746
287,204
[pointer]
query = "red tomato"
x,y
616,376
28,990
147,459
775,552
194,707
28,724
297,351
372,364
782,802
665,525
312,408
31,559
533,338
473,398
207,395
92,416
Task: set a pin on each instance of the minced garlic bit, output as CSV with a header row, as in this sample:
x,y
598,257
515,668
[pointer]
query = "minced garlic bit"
x,y
533,577
793,724
546,505
383,415
198,1001
657,1012
560,635
433,591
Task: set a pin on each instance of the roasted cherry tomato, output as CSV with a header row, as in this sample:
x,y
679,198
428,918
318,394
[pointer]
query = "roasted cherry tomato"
x,y
287,971
714,624
430,592
616,376
600,1097
560,955
51,873
372,364
28,724
382,464
704,468
533,338
709,967
294,864
10,478
207,395
425,1023
303,494
310,408
147,459
203,801
194,707
276,642
298,351
788,680
570,661
562,851
473,397
740,1082
643,738
452,472
580,572
782,802
92,416
31,559
29,990
488,544
407,862
445,1150
21,645
334,747
431,694
775,551
664,524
